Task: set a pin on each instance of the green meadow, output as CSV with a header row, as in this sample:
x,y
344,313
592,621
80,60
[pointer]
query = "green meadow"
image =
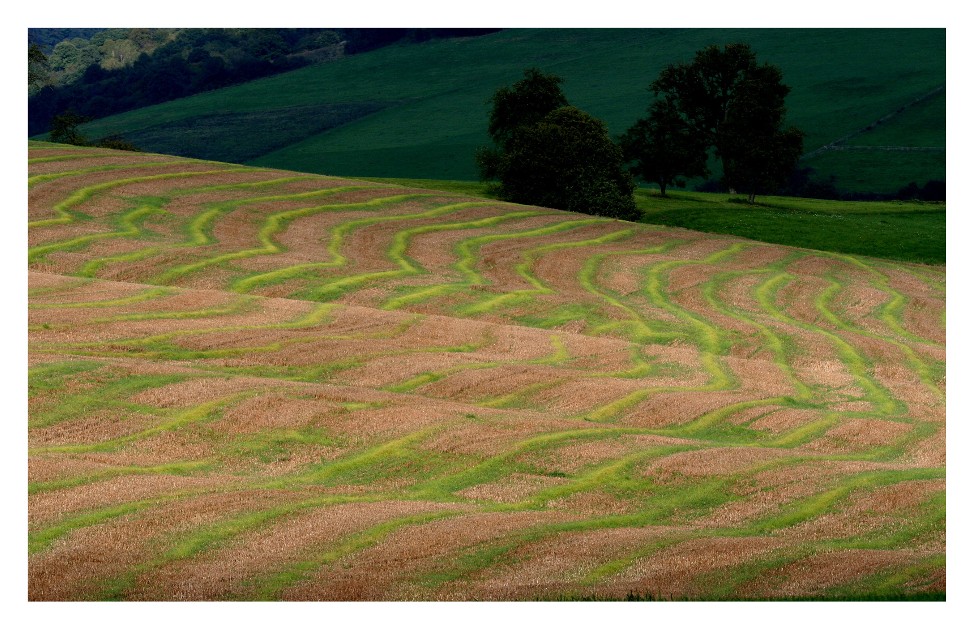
x,y
420,111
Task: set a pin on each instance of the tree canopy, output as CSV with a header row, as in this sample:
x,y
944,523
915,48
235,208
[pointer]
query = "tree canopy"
x,y
550,154
725,101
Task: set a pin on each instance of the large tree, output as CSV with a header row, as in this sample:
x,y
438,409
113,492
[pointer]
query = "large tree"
x,y
550,154
725,100
663,149
758,155
526,102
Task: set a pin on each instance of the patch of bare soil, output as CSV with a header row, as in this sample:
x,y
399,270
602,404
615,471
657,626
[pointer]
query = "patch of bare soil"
x,y
384,570
580,454
226,572
813,575
680,571
869,510
859,434
553,565
709,462
929,452
79,565
512,488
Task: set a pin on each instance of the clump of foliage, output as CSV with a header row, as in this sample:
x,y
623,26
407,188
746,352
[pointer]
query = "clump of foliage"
x,y
663,149
725,101
64,129
548,153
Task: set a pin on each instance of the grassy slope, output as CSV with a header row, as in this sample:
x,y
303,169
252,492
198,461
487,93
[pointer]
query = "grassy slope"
x,y
97,351
899,230
419,111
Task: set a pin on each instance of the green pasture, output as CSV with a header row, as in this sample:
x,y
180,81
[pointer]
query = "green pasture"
x,y
421,110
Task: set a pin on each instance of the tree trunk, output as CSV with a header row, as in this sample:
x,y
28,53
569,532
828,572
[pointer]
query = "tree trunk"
x,y
751,197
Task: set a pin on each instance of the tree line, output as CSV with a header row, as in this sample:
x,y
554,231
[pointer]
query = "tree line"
x,y
722,103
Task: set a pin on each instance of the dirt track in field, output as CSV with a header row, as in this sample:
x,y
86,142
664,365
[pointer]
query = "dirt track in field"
x,y
267,385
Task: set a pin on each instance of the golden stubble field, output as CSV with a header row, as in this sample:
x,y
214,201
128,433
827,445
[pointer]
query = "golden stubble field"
x,y
255,384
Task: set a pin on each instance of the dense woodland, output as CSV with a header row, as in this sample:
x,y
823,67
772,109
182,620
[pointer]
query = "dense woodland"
x,y
99,72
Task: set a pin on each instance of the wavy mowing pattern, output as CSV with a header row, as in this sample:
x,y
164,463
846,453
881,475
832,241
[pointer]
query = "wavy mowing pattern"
x,y
248,447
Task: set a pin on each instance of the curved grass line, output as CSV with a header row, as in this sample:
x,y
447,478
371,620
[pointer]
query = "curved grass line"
x,y
891,312
33,180
66,283
709,339
200,227
63,158
205,412
143,296
129,226
321,474
891,583
213,536
773,340
240,305
704,493
587,279
921,368
497,465
523,269
273,225
467,260
559,355
258,184
807,508
270,587
41,540
857,365
66,215
338,235
174,468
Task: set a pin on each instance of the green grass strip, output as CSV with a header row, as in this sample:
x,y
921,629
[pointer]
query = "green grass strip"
x,y
524,269
33,180
338,235
205,412
63,209
142,296
273,225
270,587
468,258
129,225
175,468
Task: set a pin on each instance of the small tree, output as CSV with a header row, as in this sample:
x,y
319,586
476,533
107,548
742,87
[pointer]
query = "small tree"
x,y
64,129
550,154
524,103
663,148
758,155
567,161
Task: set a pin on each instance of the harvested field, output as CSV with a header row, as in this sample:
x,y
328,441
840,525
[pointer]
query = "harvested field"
x,y
253,384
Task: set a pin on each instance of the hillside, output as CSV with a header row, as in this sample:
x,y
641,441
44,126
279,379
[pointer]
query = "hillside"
x,y
420,110
248,383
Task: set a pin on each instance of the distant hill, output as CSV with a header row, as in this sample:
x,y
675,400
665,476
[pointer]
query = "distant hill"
x,y
874,116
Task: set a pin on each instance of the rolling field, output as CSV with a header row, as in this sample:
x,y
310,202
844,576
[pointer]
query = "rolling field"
x,y
422,110
247,383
